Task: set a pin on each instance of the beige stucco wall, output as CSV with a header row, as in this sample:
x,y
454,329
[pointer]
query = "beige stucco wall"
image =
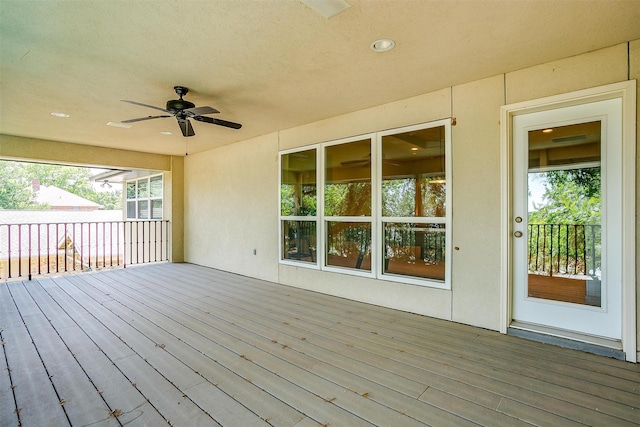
x,y
231,208
231,192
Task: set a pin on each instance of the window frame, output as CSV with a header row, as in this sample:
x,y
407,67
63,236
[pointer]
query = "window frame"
x,y
362,218
308,218
424,220
149,199
376,219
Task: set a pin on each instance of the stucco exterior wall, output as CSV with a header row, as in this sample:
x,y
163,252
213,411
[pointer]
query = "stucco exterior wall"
x,y
231,208
231,192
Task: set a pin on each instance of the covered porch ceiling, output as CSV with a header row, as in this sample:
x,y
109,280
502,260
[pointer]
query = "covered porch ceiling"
x,y
269,65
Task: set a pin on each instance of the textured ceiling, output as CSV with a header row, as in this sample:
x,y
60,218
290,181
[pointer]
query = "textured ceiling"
x,y
269,65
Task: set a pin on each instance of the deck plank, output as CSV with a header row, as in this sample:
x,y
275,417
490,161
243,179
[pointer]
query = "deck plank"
x,y
82,403
189,345
265,343
538,393
116,390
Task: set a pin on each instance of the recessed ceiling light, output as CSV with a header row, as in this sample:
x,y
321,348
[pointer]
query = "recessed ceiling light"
x,y
166,132
547,131
55,114
119,125
414,148
382,45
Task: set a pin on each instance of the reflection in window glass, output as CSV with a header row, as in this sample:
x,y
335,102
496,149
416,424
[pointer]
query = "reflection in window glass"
x,y
143,188
415,250
347,190
298,184
155,184
156,209
143,209
299,241
413,174
131,209
349,244
131,190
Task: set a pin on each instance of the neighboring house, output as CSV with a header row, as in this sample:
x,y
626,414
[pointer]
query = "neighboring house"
x,y
58,199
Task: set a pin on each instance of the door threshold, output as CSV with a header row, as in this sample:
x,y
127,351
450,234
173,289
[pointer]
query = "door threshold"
x,y
568,339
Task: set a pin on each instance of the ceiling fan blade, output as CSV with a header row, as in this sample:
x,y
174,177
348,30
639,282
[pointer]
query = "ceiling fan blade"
x,y
145,105
196,111
186,128
142,118
218,122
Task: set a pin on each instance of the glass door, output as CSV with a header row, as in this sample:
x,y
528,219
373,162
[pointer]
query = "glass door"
x,y
567,219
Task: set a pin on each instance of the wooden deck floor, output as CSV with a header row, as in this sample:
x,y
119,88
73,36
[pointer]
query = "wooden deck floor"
x,y
178,344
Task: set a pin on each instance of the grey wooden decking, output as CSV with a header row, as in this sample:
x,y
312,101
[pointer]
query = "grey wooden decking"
x,y
178,344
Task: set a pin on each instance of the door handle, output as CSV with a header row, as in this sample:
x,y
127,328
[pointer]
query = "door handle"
x,y
518,234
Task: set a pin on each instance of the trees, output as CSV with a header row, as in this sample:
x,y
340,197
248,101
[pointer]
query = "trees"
x,y
16,178
571,197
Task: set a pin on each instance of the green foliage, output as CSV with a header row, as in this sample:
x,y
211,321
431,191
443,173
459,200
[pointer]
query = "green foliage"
x,y
571,197
14,191
347,199
16,180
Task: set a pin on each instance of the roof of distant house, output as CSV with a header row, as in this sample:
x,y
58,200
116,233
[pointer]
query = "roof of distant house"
x,y
57,198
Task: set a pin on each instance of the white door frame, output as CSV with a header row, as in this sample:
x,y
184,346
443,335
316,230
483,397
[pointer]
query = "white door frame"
x,y
627,92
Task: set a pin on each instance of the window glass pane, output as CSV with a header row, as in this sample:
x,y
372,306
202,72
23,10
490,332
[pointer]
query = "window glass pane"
x,y
299,240
143,209
155,185
143,188
413,173
298,185
349,244
131,190
131,209
156,209
347,190
415,250
564,235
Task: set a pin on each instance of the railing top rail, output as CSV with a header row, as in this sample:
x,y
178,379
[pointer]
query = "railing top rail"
x,y
86,222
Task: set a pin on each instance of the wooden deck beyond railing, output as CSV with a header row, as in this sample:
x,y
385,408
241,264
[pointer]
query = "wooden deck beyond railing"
x,y
178,344
28,250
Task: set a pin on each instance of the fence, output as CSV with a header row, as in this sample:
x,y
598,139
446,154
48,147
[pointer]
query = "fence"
x,y
565,249
51,248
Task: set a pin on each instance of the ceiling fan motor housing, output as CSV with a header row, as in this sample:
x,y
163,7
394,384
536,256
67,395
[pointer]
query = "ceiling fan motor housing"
x,y
179,104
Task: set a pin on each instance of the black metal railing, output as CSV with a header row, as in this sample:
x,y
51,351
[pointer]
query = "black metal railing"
x,y
52,248
565,249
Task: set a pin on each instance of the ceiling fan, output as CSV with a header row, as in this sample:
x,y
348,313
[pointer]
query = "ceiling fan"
x,y
183,111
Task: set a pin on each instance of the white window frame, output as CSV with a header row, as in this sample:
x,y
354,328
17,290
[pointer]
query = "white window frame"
x,y
148,199
446,220
375,219
364,219
310,218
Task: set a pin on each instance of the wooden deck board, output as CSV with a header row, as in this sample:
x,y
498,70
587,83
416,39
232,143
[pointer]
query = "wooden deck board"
x,y
188,345
546,391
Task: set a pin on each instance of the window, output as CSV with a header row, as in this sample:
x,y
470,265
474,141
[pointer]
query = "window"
x,y
348,204
298,206
414,202
375,206
144,198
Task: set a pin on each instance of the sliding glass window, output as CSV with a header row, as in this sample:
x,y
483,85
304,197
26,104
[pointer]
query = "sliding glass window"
x,y
376,205
298,206
348,205
414,202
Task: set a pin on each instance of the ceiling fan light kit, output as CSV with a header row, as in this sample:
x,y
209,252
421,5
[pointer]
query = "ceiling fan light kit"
x,y
183,110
